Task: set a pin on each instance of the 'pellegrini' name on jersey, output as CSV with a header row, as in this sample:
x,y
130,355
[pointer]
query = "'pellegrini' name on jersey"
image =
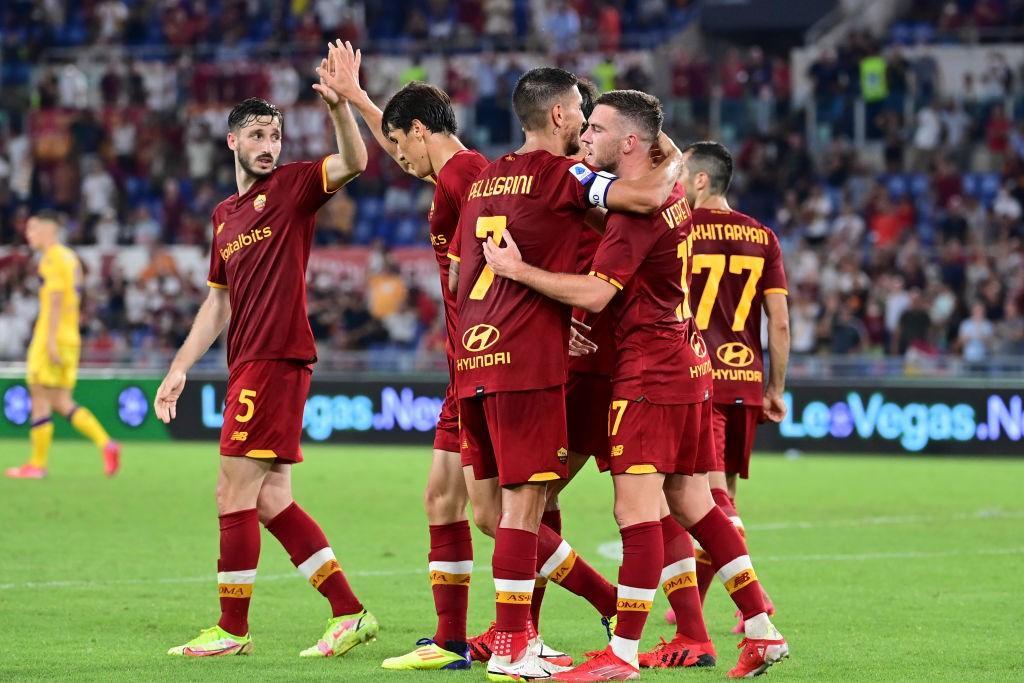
x,y
244,240
504,184
728,231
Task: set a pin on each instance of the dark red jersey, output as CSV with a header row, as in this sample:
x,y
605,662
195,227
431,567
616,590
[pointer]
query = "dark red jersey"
x,y
453,181
260,250
602,361
736,261
512,338
661,354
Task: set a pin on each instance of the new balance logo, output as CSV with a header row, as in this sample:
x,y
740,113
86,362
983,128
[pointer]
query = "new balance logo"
x,y
239,436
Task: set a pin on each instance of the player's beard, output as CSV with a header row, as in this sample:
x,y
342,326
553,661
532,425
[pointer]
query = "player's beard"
x,y
250,167
572,145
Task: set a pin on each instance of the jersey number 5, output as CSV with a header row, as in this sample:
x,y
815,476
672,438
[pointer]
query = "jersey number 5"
x,y
487,226
715,265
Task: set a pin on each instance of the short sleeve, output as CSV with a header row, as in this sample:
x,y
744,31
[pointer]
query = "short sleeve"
x,y
217,277
307,182
773,280
455,246
627,241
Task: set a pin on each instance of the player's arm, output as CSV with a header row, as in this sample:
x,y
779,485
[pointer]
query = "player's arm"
x,y
777,308
582,291
53,326
453,275
351,158
210,321
647,193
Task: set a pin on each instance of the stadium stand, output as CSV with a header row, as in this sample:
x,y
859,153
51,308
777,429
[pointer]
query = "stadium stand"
x,y
895,188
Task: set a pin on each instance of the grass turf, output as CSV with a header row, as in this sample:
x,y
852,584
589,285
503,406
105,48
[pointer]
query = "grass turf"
x,y
881,568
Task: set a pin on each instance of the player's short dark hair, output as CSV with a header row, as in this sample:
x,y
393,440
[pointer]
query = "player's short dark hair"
x,y
714,159
247,111
422,101
589,93
640,108
47,215
536,93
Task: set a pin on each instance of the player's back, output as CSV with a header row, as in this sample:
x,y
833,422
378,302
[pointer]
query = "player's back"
x,y
510,337
61,273
736,261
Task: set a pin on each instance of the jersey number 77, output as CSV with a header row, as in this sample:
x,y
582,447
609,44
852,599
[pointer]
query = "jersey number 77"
x,y
715,264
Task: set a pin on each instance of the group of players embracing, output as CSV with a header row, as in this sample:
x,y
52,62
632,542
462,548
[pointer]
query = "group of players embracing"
x,y
574,331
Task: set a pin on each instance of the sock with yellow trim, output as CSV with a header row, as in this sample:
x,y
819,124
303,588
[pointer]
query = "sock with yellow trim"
x,y
236,568
558,562
730,560
451,566
514,567
553,520
40,435
642,560
82,419
679,581
309,551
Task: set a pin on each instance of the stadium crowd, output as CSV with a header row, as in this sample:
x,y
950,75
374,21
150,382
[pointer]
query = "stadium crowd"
x,y
912,243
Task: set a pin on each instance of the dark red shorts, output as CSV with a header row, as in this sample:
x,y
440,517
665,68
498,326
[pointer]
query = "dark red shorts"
x,y
446,434
586,415
517,436
735,428
671,439
263,410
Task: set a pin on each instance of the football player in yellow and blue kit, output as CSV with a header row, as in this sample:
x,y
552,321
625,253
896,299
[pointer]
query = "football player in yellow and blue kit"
x,y
53,353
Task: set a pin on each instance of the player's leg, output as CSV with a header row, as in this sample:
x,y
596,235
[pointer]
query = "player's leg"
x,y
311,553
637,509
86,424
450,564
691,645
691,503
527,438
40,436
238,486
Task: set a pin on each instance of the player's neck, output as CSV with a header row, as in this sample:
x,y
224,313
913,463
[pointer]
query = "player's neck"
x,y
244,180
633,166
441,150
537,141
712,201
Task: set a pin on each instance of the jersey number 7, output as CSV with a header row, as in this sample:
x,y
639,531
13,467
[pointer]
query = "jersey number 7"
x,y
487,226
715,265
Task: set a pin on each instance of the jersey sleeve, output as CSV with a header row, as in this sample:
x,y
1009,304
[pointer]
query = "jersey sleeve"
x,y
572,185
217,276
773,280
307,181
455,246
627,241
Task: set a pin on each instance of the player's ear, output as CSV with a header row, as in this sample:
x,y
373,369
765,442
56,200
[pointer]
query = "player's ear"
x,y
557,115
232,141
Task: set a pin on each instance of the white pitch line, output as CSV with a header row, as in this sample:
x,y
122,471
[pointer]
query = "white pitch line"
x,y
979,516
612,550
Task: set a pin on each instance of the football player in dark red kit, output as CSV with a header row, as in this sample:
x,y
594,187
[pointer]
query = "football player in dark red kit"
x,y
261,241
660,415
512,359
417,128
737,271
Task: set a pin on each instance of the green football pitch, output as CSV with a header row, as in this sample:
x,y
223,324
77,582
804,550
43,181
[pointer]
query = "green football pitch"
x,y
881,568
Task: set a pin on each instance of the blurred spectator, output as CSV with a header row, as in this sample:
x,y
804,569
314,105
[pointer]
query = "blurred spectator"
x,y
976,335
